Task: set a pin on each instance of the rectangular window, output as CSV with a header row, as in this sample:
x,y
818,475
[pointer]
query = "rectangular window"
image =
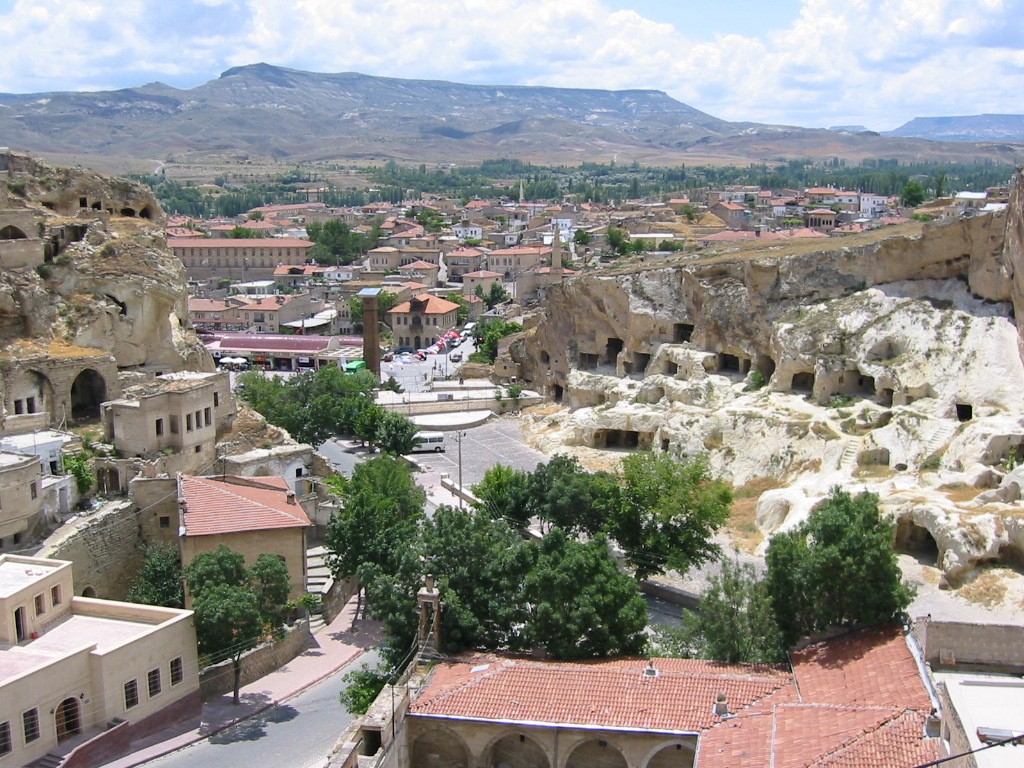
x,y
5,739
30,724
55,597
131,694
165,521
40,601
177,671
174,425
188,422
159,427
30,404
19,407
216,399
33,490
208,416
153,682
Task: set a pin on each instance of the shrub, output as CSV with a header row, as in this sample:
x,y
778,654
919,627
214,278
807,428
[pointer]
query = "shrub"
x,y
755,381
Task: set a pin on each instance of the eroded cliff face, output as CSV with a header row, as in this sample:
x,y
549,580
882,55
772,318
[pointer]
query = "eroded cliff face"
x,y
107,281
890,362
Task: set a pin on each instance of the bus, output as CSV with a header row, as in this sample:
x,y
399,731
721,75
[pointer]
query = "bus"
x,y
424,442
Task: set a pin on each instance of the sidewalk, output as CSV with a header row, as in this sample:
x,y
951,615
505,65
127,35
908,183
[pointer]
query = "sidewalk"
x,y
332,647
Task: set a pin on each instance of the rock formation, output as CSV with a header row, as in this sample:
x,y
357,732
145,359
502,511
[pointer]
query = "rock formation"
x,y
889,361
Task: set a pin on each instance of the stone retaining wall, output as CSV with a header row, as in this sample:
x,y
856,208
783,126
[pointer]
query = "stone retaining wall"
x,y
219,679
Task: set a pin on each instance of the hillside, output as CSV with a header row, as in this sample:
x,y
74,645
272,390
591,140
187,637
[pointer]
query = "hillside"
x,y
285,114
1003,128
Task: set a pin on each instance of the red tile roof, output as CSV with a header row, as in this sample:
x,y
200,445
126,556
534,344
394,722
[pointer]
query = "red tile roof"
x,y
217,507
245,242
613,694
856,701
429,305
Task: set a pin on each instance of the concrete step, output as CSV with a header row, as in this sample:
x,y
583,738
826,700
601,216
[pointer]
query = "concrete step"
x,y
48,761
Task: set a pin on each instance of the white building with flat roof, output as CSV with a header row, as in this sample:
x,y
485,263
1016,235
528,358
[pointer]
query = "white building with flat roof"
x,y
76,670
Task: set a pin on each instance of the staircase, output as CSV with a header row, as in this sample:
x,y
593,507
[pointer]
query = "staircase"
x,y
940,437
318,581
48,761
848,461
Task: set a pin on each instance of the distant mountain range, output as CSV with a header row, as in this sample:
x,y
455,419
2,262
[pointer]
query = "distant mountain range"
x,y
969,128
266,111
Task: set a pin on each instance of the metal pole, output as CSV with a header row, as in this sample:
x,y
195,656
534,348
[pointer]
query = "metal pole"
x,y
460,435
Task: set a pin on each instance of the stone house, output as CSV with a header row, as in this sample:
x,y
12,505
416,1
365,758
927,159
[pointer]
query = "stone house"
x,y
21,498
482,278
177,416
422,271
468,231
78,670
422,320
251,515
21,241
56,489
734,215
463,260
859,699
511,261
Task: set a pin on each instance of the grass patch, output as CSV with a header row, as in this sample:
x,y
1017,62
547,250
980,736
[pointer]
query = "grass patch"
x,y
742,526
987,588
958,492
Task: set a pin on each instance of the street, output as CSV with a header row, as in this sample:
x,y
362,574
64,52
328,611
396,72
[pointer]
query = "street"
x,y
499,441
278,736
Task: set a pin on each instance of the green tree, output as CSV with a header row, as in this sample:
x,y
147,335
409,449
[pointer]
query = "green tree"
x,y
566,496
735,620
581,604
335,242
395,434
618,240
480,564
222,566
581,237
912,195
836,568
160,579
488,334
363,686
78,465
505,493
689,211
270,582
669,513
227,622
495,295
939,182
243,233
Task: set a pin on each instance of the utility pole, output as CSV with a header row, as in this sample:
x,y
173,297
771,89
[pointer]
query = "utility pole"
x,y
458,437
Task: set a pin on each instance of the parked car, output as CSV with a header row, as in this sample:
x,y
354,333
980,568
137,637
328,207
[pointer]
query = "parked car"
x,y
455,357
404,351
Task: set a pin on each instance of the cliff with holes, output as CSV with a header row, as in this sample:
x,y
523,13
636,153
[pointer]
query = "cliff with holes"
x,y
88,288
889,360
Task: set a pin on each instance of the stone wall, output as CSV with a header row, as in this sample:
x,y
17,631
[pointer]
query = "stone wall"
x,y
338,596
990,647
219,679
105,550
954,733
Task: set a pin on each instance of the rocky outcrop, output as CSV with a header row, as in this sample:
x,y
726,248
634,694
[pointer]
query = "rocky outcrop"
x,y
889,362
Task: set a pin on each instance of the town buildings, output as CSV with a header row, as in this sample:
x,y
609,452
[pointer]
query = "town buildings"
x,y
76,669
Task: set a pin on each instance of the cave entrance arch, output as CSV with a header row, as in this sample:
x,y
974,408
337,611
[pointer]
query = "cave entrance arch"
x,y
557,392
612,350
917,541
88,390
803,382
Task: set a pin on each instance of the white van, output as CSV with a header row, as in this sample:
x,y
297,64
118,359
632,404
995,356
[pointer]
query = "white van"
x,y
424,442
468,330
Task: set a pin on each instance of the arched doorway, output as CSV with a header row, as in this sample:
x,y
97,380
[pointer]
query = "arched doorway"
x,y
597,753
68,719
678,755
88,592
87,392
440,748
516,750
11,232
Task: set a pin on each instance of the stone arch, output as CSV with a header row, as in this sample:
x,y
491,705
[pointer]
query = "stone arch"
x,y
146,212
126,211
679,754
440,747
30,392
545,358
11,232
88,390
516,750
803,381
89,592
596,753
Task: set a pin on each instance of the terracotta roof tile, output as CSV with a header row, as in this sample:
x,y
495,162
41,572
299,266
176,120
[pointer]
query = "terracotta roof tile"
x,y
218,507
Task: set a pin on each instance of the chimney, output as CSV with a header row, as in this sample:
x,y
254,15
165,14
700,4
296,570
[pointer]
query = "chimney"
x,y
721,705
290,497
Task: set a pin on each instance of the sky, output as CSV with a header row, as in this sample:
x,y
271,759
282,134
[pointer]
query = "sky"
x,y
814,63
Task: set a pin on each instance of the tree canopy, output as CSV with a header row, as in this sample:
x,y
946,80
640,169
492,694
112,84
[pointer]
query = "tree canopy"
x,y
836,568
335,242
160,579
235,606
912,194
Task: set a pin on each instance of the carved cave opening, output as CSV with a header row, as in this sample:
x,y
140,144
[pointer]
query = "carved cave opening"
x,y
587,361
612,350
11,232
802,382
917,541
87,392
682,332
964,411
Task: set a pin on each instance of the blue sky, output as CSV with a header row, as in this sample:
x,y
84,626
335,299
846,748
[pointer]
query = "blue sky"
x,y
803,62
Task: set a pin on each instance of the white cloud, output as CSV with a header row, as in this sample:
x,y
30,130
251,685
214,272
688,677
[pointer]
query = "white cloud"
x,y
879,62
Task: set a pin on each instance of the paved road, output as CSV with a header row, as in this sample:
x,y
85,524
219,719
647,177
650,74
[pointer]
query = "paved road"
x,y
497,442
298,733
